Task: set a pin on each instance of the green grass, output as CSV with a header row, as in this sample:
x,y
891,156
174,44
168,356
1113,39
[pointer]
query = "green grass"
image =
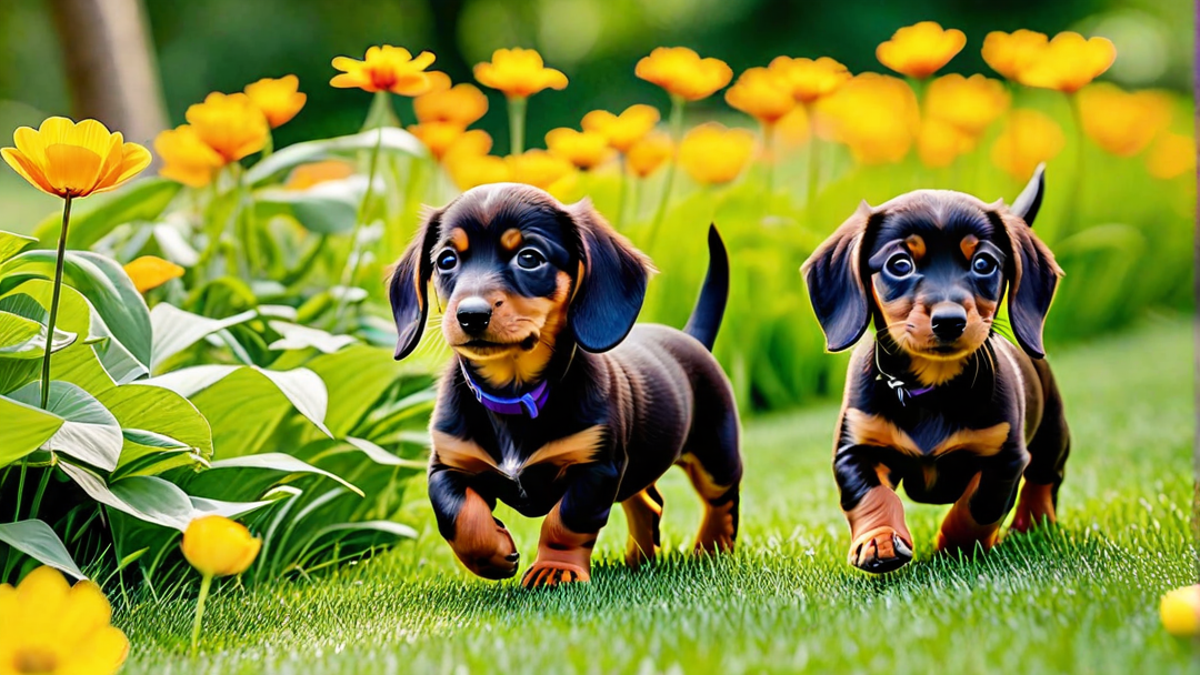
x,y
1083,598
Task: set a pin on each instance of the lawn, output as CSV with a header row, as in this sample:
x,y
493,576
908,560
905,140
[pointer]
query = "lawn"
x,y
1083,598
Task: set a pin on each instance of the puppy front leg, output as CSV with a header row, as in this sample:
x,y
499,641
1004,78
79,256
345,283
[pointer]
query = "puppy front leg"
x,y
879,538
466,522
570,529
975,518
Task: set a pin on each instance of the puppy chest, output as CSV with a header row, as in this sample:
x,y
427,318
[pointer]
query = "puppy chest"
x,y
929,439
514,460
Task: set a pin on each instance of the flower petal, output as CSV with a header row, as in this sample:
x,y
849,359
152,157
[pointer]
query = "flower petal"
x,y
101,653
28,170
41,596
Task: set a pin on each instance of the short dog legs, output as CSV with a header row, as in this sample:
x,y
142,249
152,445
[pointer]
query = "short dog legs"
x,y
643,513
715,470
975,518
465,519
1035,507
879,538
570,529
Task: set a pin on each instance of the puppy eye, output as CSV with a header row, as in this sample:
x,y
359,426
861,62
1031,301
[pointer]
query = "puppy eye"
x,y
899,265
530,259
447,260
984,265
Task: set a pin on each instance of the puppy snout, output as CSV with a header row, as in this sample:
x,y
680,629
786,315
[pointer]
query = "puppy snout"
x,y
474,315
948,321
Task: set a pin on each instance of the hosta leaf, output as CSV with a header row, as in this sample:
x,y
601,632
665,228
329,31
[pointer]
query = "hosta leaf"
x,y
147,498
89,432
327,208
280,463
26,427
175,329
23,338
381,456
12,244
160,428
355,378
96,216
206,507
296,336
37,540
393,140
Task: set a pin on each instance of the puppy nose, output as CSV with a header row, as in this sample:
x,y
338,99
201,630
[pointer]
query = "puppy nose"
x,y
948,322
474,314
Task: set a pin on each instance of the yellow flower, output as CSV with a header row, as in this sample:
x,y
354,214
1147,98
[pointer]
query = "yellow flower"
x,y
1068,62
712,154
149,272
315,173
1028,139
1172,155
385,68
649,153
1180,611
794,128
217,546
518,73
462,104
438,81
920,50
810,80
875,115
49,627
185,157
229,124
683,73
437,136
764,94
623,130
1120,122
538,168
66,159
469,170
584,149
969,103
939,142
279,99
1011,53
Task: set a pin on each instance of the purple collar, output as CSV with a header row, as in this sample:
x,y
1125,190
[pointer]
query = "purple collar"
x,y
897,385
530,403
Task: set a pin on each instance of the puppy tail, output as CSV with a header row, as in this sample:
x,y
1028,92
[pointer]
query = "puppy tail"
x,y
710,307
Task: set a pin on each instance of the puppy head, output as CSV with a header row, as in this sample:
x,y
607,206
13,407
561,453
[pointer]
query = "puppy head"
x,y
518,272
931,266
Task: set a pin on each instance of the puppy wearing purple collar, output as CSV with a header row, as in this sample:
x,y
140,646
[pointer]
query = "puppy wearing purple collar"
x,y
557,405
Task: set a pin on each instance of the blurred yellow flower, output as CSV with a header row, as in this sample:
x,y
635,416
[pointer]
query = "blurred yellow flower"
x,y
66,159
279,99
920,50
683,73
469,170
1011,53
538,168
1180,611
712,154
584,149
315,173
1171,155
49,627
623,130
875,115
473,142
1123,123
149,272
764,94
186,158
519,73
1029,138
795,128
438,81
462,104
1068,62
939,142
969,103
811,79
649,153
437,136
385,68
229,124
218,546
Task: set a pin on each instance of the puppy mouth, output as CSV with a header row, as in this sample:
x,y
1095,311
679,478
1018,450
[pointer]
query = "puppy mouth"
x,y
484,348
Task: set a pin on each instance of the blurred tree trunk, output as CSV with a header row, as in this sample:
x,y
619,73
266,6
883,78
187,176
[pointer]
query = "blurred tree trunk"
x,y
111,70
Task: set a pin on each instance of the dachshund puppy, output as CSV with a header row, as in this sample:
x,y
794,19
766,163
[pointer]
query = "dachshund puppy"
x,y
938,401
555,403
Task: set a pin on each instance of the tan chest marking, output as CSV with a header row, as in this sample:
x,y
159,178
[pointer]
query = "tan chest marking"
x,y
470,457
867,429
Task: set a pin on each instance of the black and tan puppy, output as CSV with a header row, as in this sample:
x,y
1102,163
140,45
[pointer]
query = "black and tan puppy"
x,y
938,401
556,404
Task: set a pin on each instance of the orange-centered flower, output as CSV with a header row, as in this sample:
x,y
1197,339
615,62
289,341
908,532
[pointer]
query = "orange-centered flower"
x,y
148,272
229,124
1171,155
584,149
648,154
683,73
1068,62
385,68
969,103
279,99
66,159
623,130
185,157
712,154
218,546
810,80
1028,139
875,115
47,626
1123,123
1011,53
462,104
764,94
518,73
538,168
920,50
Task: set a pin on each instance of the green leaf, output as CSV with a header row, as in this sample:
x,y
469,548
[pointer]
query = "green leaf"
x,y
380,456
207,507
355,377
282,463
37,540
26,428
296,336
154,420
326,208
394,140
98,215
175,329
147,498
24,337
12,244
89,432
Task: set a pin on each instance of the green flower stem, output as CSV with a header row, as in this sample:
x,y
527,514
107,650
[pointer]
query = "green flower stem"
x,y
350,269
242,226
58,275
269,146
20,490
622,191
1073,221
814,160
205,584
516,124
768,131
676,136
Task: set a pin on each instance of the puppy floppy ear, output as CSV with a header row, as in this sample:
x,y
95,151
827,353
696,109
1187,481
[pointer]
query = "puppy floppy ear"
x,y
835,281
1033,276
612,284
408,289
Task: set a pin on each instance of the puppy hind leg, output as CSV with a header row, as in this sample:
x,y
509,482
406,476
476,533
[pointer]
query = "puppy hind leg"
x,y
720,490
1048,451
643,514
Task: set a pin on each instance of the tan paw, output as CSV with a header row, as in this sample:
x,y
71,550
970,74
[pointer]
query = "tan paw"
x,y
882,550
552,573
1035,508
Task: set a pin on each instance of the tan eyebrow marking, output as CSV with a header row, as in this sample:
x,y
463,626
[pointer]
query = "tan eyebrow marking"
x,y
511,239
459,239
968,245
916,246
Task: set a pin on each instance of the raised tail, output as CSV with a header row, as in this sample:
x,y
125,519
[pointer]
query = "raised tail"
x,y
710,307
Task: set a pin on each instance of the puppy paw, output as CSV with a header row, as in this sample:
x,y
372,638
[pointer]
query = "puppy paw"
x,y
880,551
491,554
552,573
1035,508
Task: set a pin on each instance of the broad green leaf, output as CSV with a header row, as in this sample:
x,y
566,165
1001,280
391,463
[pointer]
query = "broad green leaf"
x,y
26,427
37,540
146,498
25,338
281,463
12,244
326,208
355,377
393,140
296,336
96,216
89,432
381,456
161,429
208,507
175,329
